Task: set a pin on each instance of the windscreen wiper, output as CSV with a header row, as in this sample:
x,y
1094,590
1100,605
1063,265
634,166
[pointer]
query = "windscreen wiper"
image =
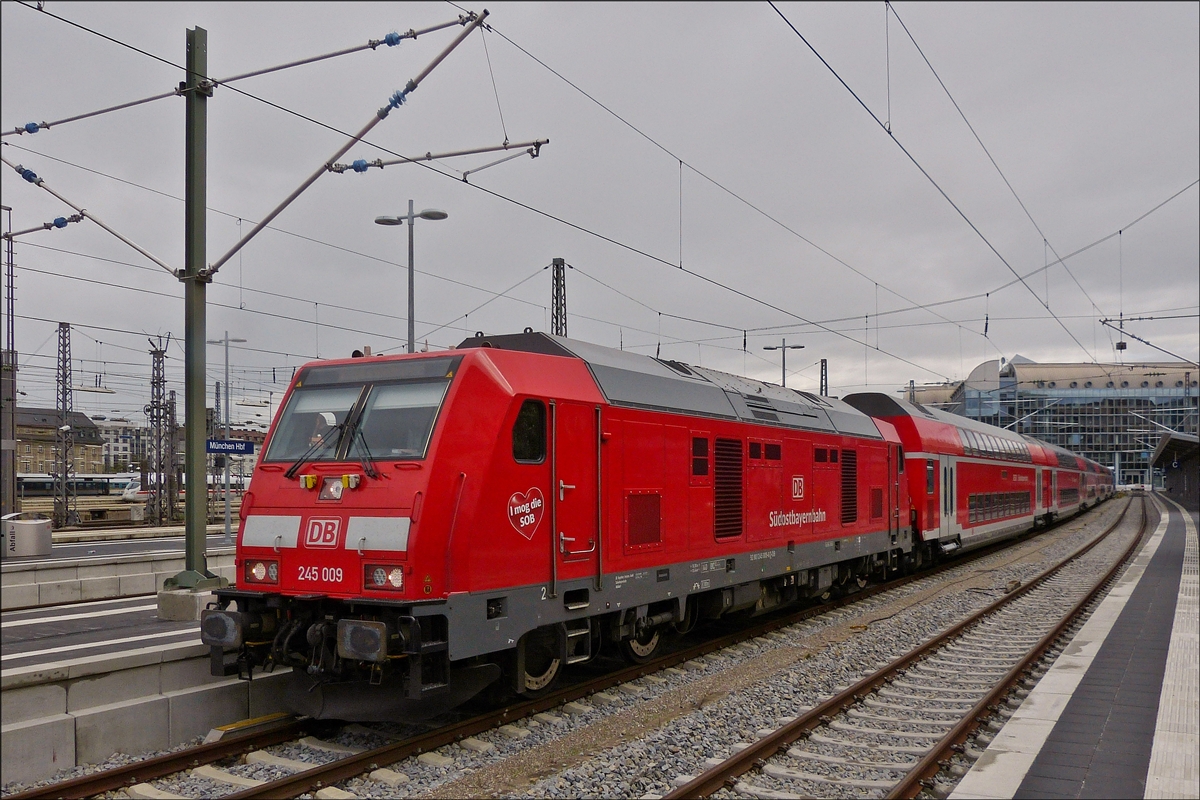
x,y
367,465
322,441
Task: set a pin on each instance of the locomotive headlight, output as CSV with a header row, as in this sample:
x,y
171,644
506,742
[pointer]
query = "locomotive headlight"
x,y
383,577
261,571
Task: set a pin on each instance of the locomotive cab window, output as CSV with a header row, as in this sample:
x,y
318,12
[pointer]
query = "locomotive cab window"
x,y
383,409
529,433
930,476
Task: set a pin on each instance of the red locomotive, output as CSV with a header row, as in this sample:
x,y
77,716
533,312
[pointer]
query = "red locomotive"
x,y
423,526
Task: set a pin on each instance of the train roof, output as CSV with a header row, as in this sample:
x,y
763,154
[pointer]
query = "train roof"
x,y
638,381
882,405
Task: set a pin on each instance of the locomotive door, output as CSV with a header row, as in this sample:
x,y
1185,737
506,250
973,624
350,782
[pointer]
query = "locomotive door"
x,y
575,489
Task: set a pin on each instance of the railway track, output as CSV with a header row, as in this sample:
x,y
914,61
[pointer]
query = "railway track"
x,y
342,763
891,733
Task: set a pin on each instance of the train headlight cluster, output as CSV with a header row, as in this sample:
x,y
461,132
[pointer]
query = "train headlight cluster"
x,y
383,577
261,570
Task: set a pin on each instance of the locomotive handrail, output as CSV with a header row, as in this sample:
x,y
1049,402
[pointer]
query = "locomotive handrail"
x,y
562,546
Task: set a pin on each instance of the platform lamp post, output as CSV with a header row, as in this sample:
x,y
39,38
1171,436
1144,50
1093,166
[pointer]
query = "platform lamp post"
x,y
228,517
784,347
411,218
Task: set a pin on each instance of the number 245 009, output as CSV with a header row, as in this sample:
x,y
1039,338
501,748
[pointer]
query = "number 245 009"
x,y
327,574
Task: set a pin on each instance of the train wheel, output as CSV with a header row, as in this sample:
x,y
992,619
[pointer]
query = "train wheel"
x,y
640,649
542,664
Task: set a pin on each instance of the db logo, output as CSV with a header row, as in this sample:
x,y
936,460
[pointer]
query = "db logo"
x,y
322,532
797,487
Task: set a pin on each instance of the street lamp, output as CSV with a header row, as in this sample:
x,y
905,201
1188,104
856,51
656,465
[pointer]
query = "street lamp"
x,y
784,347
228,518
430,214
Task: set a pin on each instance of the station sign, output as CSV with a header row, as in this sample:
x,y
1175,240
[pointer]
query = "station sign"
x,y
236,447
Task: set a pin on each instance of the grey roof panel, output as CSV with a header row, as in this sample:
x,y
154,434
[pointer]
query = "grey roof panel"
x,y
632,379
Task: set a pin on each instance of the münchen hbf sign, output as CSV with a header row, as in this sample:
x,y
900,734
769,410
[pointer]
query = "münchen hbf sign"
x,y
233,446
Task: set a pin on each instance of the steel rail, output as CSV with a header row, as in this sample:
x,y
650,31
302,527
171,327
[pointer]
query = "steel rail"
x,y
359,764
291,786
148,769
717,777
920,776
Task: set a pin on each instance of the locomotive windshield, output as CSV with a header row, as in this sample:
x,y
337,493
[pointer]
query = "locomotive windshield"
x,y
379,410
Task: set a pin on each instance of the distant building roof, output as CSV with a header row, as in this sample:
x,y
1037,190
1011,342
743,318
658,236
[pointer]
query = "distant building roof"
x,y
48,417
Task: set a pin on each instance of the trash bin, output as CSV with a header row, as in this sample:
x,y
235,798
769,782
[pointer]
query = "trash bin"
x,y
26,537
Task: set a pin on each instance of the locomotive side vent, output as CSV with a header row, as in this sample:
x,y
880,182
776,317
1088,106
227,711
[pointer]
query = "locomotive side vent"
x,y
727,486
849,486
644,519
876,503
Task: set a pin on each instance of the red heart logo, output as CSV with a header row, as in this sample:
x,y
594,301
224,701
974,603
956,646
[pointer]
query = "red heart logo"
x,y
525,511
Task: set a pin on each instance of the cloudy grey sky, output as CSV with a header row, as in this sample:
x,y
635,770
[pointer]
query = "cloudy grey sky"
x,y
707,133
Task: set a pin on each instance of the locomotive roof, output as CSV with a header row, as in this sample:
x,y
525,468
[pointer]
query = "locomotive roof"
x,y
638,381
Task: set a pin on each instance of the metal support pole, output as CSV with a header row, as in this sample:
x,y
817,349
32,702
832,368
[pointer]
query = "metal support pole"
x,y
228,520
412,329
784,347
196,94
8,390
558,299
824,378
64,463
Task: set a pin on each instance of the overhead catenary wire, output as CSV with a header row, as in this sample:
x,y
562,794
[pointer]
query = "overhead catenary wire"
x,y
275,229
929,177
697,171
395,101
391,40
32,177
717,283
536,210
988,153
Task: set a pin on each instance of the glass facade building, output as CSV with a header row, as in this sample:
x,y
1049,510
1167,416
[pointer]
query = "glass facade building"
x,y
1112,413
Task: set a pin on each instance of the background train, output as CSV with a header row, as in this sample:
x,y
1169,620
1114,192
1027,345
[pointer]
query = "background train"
x,y
37,484
425,526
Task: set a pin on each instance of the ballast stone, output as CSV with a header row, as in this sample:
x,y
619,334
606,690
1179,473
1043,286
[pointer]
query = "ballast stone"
x,y
435,760
145,791
389,777
476,745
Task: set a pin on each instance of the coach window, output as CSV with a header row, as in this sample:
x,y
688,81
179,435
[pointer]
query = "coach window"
x,y
930,476
529,433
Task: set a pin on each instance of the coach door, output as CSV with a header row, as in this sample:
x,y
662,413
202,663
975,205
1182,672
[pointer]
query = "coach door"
x,y
893,491
575,492
947,526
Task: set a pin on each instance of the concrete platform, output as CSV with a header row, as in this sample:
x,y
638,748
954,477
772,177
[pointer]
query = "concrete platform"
x,y
1118,714
81,682
94,571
